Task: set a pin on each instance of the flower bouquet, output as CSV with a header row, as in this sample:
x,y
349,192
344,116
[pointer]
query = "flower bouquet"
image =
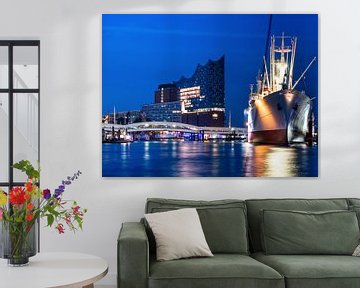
x,y
21,208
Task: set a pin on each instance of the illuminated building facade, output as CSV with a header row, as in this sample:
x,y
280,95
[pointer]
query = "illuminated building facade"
x,y
190,98
167,111
166,93
202,95
198,100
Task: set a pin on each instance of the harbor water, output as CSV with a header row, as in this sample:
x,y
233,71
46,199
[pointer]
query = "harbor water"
x,y
207,159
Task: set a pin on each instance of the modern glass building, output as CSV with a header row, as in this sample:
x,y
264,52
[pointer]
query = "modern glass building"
x,y
166,93
198,100
203,95
167,111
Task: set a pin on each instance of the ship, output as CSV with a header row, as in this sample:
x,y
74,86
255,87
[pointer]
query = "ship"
x,y
278,113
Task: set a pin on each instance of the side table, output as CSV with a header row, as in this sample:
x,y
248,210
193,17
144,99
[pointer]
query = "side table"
x,y
50,270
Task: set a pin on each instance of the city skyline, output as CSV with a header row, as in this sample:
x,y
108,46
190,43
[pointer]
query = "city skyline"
x,y
141,52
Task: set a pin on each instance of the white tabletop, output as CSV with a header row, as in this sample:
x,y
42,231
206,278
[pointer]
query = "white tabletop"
x,y
45,270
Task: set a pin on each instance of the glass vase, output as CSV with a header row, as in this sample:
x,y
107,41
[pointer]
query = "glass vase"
x,y
18,242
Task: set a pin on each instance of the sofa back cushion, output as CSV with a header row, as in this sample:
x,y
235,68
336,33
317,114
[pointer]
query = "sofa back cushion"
x,y
255,206
354,205
353,201
223,221
298,232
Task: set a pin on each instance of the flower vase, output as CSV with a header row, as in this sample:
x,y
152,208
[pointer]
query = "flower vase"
x,y
18,242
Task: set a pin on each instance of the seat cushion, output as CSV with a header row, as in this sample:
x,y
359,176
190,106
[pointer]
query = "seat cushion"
x,y
222,270
315,271
255,206
223,221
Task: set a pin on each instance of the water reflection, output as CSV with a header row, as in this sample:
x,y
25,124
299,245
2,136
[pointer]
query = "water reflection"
x,y
146,151
209,159
281,162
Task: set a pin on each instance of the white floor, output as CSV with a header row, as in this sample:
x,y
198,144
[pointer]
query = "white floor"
x,y
104,286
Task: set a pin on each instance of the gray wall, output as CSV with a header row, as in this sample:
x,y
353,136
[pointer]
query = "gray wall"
x,y
70,34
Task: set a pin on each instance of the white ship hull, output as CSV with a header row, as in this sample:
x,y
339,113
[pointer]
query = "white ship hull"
x,y
281,118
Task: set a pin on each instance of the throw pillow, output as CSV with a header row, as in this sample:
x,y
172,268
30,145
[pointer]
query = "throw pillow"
x,y
357,251
178,234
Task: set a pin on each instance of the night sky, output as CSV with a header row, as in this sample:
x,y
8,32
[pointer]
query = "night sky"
x,y
139,52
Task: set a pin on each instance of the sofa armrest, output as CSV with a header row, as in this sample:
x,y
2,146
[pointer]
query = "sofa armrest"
x,y
133,256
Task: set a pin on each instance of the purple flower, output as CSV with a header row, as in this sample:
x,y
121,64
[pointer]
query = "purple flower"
x,y
58,193
46,194
66,182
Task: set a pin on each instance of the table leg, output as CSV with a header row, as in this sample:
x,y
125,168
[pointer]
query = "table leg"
x,y
89,286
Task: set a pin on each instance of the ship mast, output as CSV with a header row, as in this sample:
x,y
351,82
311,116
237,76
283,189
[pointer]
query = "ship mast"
x,y
279,76
230,119
268,38
272,62
281,70
266,75
282,55
114,115
292,61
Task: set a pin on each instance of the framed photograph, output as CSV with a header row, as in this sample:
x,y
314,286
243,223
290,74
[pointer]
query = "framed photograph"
x,y
210,95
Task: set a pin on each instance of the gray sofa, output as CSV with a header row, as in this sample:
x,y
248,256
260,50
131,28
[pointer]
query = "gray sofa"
x,y
233,230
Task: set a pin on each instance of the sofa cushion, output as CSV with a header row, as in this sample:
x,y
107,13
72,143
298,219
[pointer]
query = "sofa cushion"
x,y
254,217
356,209
314,271
223,221
178,234
297,232
353,201
222,270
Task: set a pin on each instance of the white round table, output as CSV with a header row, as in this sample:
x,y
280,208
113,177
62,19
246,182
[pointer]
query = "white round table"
x,y
45,270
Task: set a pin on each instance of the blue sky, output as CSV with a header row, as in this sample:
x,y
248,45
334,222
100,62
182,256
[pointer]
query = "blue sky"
x,y
141,51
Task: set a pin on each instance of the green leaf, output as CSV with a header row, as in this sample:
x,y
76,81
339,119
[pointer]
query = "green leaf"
x,y
50,219
26,167
53,211
79,221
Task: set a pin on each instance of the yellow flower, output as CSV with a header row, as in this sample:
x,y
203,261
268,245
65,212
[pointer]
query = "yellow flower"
x,y
3,198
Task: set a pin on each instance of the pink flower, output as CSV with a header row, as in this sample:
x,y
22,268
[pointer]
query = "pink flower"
x,y
76,210
60,228
68,219
1,213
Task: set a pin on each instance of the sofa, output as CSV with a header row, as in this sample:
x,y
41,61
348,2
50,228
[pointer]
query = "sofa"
x,y
235,233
